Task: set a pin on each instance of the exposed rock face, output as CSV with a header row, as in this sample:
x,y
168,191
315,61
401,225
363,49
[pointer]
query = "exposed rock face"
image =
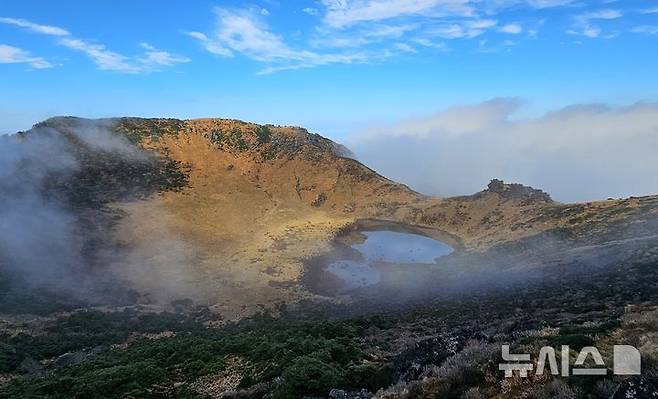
x,y
74,358
517,191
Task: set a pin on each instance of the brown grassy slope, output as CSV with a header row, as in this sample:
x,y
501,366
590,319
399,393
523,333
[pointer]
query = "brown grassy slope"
x,y
293,169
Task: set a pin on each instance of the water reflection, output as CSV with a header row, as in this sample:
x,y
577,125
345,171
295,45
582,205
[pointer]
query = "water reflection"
x,y
389,247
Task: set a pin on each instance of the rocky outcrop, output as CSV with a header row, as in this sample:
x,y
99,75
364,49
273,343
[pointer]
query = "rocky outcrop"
x,y
515,191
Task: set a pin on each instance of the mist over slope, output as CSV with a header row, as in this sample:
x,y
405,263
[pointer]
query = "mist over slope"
x,y
56,184
577,153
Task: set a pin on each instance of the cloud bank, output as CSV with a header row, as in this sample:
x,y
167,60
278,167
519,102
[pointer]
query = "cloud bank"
x,y
577,153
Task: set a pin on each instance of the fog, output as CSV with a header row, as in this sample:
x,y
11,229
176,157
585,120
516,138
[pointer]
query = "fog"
x,y
36,231
577,153
46,241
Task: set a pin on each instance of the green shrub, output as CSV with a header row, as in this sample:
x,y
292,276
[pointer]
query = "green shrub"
x,y
9,358
309,375
263,134
371,376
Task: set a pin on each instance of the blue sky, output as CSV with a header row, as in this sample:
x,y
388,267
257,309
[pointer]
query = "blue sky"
x,y
334,66
440,94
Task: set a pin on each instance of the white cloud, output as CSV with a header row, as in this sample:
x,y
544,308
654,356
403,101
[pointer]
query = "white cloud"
x,y
151,60
371,34
602,14
430,43
580,152
457,120
465,29
653,10
326,59
105,59
388,31
210,45
405,48
43,29
311,11
343,13
360,30
15,55
242,31
428,19
513,29
583,23
549,3
646,29
154,57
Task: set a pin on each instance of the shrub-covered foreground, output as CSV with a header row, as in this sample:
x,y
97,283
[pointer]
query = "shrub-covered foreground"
x,y
172,355
298,359
445,348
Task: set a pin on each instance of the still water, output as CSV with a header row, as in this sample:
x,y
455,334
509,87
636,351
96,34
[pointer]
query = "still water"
x,y
389,247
